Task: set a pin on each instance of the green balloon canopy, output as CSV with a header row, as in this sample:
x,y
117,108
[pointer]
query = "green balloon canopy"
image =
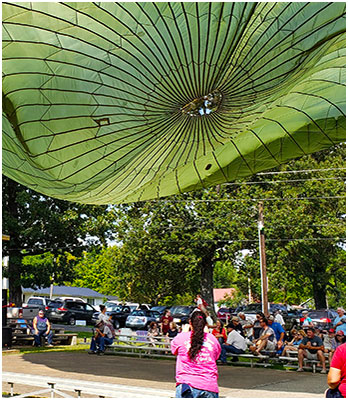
x,y
119,102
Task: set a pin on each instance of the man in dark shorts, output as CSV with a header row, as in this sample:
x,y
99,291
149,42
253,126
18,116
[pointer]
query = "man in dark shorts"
x,y
312,348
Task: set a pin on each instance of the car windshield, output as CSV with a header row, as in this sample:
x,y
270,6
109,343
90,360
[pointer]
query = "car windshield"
x,y
114,307
55,304
35,301
318,314
180,310
252,308
158,308
138,313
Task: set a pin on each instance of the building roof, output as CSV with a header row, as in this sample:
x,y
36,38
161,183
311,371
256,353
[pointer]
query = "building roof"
x,y
219,294
66,291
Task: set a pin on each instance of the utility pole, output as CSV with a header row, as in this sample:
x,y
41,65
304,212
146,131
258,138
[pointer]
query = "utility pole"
x,y
264,288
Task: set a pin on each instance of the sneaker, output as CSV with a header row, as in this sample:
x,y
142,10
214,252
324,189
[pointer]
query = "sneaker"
x,y
100,353
50,345
323,371
92,352
300,370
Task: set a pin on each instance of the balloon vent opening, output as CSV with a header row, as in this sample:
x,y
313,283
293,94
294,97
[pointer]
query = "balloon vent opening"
x,y
203,105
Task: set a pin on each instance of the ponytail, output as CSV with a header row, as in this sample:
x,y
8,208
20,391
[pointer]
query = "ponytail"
x,y
198,321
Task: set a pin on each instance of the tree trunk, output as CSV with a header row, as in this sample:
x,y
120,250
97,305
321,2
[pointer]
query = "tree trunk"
x,y
207,281
15,257
319,294
14,275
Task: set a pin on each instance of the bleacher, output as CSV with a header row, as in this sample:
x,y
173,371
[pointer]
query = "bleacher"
x,y
128,342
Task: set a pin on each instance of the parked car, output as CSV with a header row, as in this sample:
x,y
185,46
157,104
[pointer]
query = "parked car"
x,y
238,310
37,302
69,311
110,307
160,309
120,314
141,319
322,319
181,314
70,298
291,320
225,313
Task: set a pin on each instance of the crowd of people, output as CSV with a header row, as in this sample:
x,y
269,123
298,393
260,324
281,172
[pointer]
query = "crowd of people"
x,y
202,344
265,333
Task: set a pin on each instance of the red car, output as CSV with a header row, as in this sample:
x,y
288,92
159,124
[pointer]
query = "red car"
x,y
225,314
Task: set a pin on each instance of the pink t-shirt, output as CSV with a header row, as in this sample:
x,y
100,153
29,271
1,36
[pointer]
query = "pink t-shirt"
x,y
202,372
339,362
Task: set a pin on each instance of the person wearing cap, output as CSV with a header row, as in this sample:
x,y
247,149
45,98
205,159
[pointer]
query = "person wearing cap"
x,y
247,325
330,343
235,344
236,325
307,321
312,348
340,338
42,327
339,323
278,330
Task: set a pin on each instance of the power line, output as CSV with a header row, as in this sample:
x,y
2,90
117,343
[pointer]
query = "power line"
x,y
265,199
202,241
248,226
300,171
284,181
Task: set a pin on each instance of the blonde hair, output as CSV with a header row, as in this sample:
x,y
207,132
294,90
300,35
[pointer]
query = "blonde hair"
x,y
302,332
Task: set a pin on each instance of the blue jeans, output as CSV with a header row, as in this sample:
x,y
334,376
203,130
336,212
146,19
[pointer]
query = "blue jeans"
x,y
37,337
190,392
229,348
100,343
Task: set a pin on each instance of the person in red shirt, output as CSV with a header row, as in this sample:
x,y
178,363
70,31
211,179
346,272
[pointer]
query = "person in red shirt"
x,y
336,378
220,332
165,321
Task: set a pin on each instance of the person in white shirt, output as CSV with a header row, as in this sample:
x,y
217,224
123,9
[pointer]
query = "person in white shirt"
x,y
279,318
235,344
102,317
247,325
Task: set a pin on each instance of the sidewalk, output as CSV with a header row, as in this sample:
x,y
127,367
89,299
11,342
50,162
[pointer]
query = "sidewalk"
x,y
234,382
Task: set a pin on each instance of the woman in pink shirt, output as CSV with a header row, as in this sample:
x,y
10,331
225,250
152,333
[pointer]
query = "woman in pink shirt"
x,y
197,352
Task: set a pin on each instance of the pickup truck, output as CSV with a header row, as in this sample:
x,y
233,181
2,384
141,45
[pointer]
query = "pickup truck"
x,y
27,313
28,310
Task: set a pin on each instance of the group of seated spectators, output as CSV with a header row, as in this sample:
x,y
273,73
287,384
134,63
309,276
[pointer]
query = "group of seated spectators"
x,y
266,334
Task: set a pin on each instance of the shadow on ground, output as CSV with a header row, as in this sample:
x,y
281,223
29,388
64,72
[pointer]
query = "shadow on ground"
x,y
231,377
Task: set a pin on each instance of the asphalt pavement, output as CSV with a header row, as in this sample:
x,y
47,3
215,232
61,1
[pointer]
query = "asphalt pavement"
x,y
234,381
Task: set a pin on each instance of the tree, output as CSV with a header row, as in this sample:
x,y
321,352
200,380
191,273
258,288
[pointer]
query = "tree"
x,y
186,237
53,231
305,227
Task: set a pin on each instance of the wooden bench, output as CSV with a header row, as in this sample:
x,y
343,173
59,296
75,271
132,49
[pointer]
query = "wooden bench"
x,y
22,333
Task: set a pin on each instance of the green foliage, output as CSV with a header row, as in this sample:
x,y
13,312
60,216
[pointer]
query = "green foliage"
x,y
43,229
168,250
234,300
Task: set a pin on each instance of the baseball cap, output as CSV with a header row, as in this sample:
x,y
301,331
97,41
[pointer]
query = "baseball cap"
x,y
331,330
340,333
271,318
235,319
